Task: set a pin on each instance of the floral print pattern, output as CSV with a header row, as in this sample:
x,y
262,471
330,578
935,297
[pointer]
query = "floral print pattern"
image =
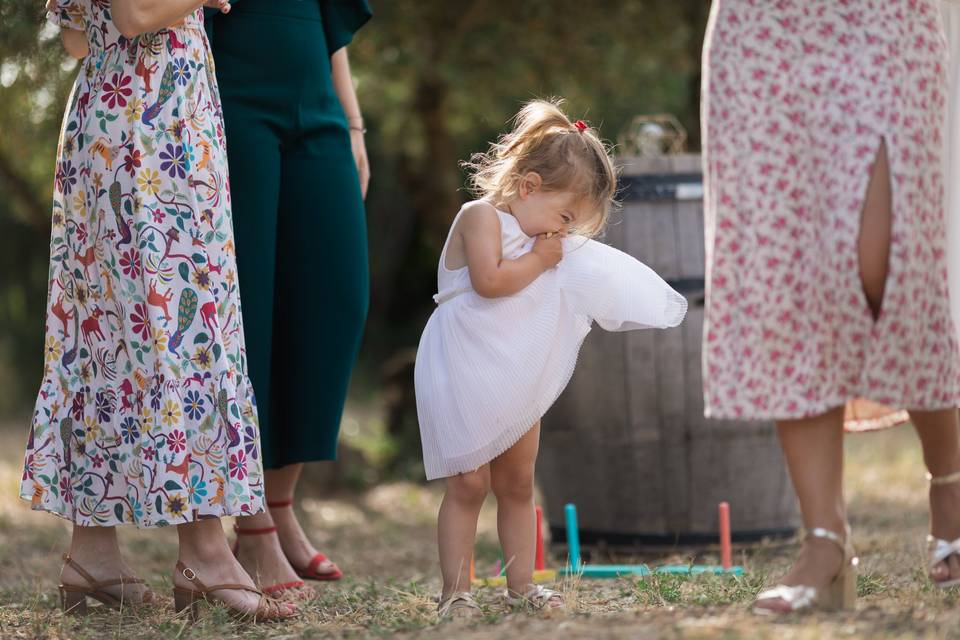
x,y
145,414
798,97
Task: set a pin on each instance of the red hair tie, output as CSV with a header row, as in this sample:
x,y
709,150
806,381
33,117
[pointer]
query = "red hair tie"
x,y
580,125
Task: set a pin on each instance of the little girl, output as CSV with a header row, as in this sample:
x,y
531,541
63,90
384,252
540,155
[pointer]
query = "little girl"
x,y
520,283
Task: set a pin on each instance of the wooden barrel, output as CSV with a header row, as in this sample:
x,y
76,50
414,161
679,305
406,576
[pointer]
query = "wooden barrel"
x,y
627,441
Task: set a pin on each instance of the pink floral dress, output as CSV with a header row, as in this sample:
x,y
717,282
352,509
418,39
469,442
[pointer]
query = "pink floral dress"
x,y
145,413
798,95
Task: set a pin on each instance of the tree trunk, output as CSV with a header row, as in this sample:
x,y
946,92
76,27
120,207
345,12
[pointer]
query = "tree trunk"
x,y
437,199
695,15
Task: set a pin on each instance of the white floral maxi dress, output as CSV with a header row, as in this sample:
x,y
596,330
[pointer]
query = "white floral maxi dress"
x,y
798,96
145,414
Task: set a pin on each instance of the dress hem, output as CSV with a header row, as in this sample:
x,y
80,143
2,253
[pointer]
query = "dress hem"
x,y
897,415
469,463
510,437
194,515
305,459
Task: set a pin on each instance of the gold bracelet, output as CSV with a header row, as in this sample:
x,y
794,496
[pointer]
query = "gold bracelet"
x,y
360,129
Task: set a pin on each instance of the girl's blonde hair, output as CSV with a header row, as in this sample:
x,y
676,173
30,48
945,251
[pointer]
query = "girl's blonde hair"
x,y
568,156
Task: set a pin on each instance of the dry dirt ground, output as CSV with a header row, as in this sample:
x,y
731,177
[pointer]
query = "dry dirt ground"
x,y
384,540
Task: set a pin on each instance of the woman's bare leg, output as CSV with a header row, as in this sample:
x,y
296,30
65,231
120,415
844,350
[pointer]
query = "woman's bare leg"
x,y
939,433
813,448
97,551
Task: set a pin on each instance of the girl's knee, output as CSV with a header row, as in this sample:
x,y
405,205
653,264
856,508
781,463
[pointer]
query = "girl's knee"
x,y
515,484
469,487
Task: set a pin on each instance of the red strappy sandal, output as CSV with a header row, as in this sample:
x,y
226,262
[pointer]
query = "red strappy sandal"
x,y
295,590
310,571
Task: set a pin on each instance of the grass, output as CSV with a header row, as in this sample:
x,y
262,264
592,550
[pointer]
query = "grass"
x,y
384,538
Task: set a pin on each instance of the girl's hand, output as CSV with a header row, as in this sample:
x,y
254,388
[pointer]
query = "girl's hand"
x,y
359,147
51,5
549,248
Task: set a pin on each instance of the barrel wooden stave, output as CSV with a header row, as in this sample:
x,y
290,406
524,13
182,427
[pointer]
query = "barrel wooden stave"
x,y
627,441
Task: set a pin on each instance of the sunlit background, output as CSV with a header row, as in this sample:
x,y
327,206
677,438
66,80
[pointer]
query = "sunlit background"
x,y
436,81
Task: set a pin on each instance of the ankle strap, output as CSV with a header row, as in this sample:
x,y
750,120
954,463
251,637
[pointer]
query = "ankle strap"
x,y
842,541
191,575
280,504
92,582
826,534
67,560
950,478
241,531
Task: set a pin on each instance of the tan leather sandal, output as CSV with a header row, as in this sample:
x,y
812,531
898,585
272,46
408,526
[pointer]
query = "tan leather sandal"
x,y
73,597
268,609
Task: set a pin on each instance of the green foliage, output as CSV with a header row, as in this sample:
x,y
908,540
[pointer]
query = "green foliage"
x,y
439,80
869,584
35,80
660,590
436,80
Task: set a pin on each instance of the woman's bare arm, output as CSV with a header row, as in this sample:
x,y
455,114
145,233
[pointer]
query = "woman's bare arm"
x,y
134,17
75,42
343,85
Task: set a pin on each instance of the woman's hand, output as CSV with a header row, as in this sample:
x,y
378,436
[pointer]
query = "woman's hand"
x,y
549,248
223,5
359,147
135,17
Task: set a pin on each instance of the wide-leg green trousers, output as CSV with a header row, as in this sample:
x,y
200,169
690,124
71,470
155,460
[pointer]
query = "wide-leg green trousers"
x,y
299,222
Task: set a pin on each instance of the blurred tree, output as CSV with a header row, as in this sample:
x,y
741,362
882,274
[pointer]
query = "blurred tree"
x,y
437,80
35,80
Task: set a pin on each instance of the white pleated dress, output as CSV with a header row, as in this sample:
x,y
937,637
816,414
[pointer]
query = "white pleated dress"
x,y
487,369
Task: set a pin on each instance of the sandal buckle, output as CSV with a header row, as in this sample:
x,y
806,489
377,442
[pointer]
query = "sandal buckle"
x,y
192,576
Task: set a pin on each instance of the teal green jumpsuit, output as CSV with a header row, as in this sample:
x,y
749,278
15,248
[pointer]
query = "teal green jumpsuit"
x,y
298,215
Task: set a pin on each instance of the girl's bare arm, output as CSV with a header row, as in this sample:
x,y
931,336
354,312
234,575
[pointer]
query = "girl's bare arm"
x,y
491,275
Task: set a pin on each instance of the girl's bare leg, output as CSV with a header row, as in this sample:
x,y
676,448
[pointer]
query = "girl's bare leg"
x,y
512,478
457,527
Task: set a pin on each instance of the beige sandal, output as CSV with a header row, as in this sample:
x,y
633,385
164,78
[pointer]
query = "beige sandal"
x,y
268,609
73,597
840,593
459,605
941,550
537,596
